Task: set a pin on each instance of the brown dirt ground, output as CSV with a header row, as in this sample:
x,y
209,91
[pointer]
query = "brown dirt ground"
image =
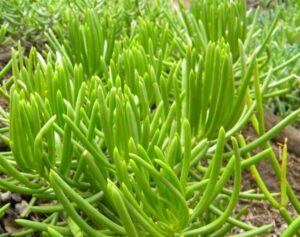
x,y
261,212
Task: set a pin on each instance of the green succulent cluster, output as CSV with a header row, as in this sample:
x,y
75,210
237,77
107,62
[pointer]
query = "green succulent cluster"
x,y
129,124
27,20
284,47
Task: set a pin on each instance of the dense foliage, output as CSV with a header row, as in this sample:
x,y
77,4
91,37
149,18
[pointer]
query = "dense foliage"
x,y
128,121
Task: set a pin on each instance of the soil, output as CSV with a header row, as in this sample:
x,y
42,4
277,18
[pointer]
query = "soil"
x,y
266,171
261,212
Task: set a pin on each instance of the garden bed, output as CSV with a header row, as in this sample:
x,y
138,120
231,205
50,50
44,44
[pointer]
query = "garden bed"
x,y
150,121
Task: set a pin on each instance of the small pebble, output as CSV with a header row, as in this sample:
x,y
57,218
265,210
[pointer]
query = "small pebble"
x,y
10,226
5,197
20,207
16,197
